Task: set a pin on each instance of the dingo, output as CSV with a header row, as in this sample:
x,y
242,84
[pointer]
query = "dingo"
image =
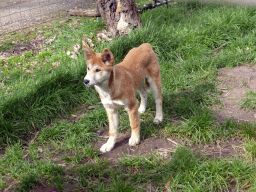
x,y
117,85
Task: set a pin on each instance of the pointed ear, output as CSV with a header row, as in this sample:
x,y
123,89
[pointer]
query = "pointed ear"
x,y
88,52
107,57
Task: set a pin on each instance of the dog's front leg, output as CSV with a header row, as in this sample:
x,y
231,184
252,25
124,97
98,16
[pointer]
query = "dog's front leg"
x,y
135,124
113,125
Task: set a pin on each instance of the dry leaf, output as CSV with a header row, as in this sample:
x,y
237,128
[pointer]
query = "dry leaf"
x,y
76,48
74,116
74,56
89,41
51,40
91,107
56,64
40,149
103,36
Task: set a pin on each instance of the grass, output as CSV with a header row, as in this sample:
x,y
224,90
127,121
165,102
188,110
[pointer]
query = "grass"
x,y
249,102
188,39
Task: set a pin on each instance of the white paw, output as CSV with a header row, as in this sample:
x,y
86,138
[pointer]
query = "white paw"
x,y
142,109
106,147
157,120
134,141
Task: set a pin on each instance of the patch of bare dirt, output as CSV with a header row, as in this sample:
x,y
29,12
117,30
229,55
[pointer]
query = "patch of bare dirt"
x,y
15,15
232,147
145,147
21,48
44,188
234,83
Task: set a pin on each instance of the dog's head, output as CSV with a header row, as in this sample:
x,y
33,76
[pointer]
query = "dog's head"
x,y
99,66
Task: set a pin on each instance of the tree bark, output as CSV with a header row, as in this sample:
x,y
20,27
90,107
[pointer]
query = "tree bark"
x,y
120,16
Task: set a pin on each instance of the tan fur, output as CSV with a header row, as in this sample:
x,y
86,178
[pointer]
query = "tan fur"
x,y
117,86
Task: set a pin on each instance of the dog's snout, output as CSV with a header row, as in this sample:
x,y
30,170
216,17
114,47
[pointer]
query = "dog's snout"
x,y
86,81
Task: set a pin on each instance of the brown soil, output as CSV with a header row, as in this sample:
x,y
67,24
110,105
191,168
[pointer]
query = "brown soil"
x,y
15,15
146,147
231,147
21,48
234,83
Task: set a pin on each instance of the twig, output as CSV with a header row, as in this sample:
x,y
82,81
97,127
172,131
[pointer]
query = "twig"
x,y
172,141
227,94
167,185
9,188
218,48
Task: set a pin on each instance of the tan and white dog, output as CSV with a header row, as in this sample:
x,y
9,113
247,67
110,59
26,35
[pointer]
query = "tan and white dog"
x,y
117,86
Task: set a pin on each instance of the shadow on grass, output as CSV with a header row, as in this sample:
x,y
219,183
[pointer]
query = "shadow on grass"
x,y
52,98
189,107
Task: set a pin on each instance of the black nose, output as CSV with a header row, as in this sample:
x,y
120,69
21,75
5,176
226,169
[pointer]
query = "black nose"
x,y
86,81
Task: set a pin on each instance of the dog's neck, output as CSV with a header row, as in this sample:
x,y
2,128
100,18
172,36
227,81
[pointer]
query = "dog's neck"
x,y
104,87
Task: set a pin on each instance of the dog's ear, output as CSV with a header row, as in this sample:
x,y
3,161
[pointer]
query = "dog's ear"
x,y
88,52
107,57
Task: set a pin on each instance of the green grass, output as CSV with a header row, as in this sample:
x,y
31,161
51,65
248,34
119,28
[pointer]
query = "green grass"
x,y
249,102
38,104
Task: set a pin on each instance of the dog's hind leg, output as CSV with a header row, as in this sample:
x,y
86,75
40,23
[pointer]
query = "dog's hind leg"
x,y
143,96
155,85
113,125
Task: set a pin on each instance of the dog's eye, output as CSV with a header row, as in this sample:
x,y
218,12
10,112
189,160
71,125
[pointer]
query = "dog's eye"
x,y
97,70
88,68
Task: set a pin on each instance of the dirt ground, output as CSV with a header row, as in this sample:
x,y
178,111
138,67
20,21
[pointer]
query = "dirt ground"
x,y
20,14
234,83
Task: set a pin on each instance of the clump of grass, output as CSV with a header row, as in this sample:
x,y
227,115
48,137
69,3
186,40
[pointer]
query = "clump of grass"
x,y
249,102
250,147
185,171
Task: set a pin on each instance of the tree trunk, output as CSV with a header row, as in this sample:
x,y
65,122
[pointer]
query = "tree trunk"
x,y
120,16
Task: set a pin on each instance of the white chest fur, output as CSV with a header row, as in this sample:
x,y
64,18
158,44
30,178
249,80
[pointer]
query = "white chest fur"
x,y
106,99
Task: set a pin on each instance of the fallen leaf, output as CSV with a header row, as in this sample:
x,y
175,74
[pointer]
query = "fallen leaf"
x,y
56,64
51,40
76,48
74,55
74,116
91,107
